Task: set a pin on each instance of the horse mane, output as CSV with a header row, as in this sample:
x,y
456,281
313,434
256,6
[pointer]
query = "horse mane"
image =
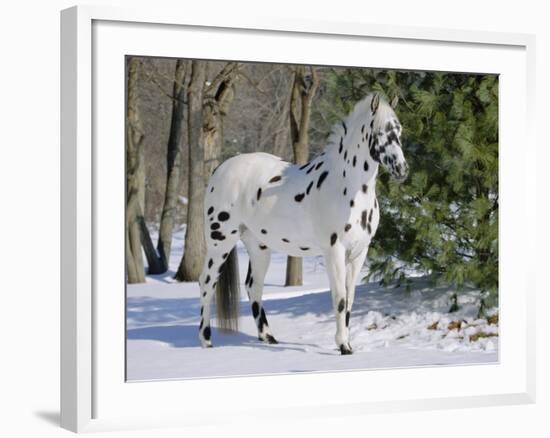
x,y
359,116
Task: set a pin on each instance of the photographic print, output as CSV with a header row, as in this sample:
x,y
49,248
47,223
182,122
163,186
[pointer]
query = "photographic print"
x,y
306,218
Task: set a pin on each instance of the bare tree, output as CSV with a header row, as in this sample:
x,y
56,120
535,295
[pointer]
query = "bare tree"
x,y
134,137
174,163
207,105
261,123
306,81
218,95
191,263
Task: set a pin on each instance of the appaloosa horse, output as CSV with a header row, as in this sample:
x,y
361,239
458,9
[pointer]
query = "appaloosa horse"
x,y
326,207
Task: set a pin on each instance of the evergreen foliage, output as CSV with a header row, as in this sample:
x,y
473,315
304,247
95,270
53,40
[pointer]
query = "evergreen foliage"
x,y
443,220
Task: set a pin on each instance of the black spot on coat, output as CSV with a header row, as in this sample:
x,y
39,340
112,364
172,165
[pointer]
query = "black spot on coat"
x,y
215,226
341,305
310,185
333,239
262,322
347,227
263,317
364,219
321,178
259,194
299,197
210,210
216,235
248,273
206,333
275,179
255,309
223,216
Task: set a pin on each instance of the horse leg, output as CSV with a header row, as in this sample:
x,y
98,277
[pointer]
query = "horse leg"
x,y
260,256
336,269
353,269
216,256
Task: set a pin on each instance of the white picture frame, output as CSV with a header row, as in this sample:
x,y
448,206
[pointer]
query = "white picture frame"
x,y
93,396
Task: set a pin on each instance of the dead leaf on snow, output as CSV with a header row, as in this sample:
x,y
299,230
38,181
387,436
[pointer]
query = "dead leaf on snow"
x,y
455,325
480,335
493,319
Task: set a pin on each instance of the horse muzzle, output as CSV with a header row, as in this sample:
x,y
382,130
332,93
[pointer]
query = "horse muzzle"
x,y
401,172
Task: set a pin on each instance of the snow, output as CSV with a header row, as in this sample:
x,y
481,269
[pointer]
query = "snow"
x,y
390,328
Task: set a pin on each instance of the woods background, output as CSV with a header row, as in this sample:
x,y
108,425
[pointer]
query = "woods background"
x,y
184,117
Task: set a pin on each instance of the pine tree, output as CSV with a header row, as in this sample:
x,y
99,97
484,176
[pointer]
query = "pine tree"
x,y
444,219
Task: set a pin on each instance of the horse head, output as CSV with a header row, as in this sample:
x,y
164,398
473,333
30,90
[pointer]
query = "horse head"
x,y
385,140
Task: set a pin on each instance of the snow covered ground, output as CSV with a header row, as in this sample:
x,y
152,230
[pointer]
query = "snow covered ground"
x,y
389,327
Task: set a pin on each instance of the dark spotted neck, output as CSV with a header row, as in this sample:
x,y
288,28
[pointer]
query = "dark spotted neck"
x,y
351,160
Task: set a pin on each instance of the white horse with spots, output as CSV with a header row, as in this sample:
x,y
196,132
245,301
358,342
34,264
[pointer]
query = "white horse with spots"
x,y
327,207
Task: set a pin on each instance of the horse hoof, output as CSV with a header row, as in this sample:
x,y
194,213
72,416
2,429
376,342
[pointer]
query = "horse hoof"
x,y
345,349
271,340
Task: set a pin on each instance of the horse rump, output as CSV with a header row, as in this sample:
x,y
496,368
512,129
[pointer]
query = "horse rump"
x,y
228,294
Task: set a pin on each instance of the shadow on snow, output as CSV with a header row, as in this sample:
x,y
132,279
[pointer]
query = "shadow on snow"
x,y
175,320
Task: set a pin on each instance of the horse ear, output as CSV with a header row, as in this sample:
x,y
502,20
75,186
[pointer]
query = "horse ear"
x,y
394,101
375,102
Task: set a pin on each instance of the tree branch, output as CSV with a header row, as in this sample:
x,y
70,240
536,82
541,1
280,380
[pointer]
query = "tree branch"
x,y
151,76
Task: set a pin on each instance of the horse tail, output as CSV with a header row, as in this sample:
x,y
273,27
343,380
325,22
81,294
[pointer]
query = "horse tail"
x,y
228,293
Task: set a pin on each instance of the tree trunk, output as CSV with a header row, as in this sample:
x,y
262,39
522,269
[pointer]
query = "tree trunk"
x,y
281,136
134,260
191,264
217,98
303,91
173,166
